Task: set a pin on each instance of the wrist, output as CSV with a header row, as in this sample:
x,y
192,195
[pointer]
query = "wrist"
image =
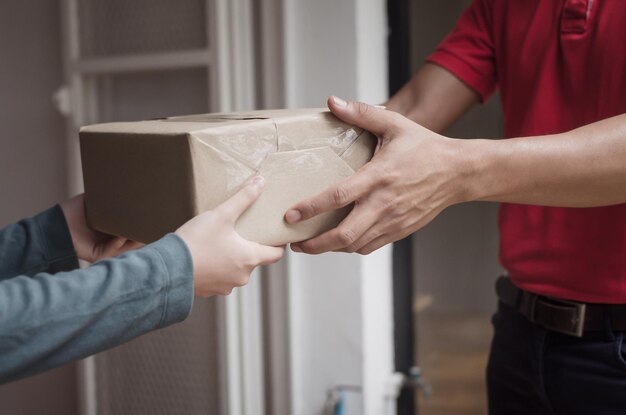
x,y
475,161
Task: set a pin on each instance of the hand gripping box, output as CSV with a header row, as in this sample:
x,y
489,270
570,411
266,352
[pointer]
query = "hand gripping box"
x,y
145,179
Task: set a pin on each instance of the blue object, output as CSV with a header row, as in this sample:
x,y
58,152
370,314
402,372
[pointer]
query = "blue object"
x,y
340,406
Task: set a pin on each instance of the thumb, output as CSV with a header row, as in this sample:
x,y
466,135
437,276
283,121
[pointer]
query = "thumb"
x,y
243,199
376,120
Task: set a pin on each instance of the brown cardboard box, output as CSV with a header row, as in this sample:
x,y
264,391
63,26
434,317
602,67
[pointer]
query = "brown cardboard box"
x,y
145,179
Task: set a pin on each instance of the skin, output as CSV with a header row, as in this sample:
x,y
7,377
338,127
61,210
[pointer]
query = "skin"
x,y
417,173
222,260
91,245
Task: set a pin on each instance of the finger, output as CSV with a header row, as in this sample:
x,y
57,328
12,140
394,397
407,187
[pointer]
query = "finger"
x,y
117,242
373,233
119,245
374,119
342,194
269,254
386,226
379,243
113,245
243,199
295,247
130,245
351,229
134,244
386,239
404,231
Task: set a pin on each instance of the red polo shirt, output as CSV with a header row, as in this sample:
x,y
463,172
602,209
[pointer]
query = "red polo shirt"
x,y
559,64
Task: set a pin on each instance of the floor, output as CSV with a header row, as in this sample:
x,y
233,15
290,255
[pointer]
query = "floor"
x,y
452,353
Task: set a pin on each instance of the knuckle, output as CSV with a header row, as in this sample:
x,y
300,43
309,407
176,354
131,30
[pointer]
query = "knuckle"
x,y
380,173
391,205
249,263
310,208
388,203
340,196
242,280
388,177
250,193
363,109
346,236
385,180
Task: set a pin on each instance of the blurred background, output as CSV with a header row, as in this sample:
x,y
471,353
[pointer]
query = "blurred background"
x,y
269,350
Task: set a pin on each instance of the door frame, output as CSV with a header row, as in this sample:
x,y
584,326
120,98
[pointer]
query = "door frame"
x,y
229,60
399,13
294,51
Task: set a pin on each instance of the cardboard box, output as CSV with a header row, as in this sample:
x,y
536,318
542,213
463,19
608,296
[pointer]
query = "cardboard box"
x,y
145,179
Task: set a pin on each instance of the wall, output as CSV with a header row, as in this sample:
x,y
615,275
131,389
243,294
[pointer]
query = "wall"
x,y
455,256
32,175
339,313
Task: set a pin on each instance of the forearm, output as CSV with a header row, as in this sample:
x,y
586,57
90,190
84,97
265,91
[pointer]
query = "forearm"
x,y
585,167
49,320
433,98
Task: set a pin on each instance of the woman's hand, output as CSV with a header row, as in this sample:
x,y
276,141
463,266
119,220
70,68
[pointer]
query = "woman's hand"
x,y
223,260
91,245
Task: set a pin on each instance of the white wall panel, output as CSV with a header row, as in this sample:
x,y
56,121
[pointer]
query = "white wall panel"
x,y
340,326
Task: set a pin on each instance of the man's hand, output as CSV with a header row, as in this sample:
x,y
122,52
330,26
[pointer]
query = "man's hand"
x,y
413,176
91,245
223,260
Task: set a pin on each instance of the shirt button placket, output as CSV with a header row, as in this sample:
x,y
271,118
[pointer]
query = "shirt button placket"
x,y
575,16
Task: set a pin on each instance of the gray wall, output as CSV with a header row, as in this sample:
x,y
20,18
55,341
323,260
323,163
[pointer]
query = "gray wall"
x,y
455,256
32,173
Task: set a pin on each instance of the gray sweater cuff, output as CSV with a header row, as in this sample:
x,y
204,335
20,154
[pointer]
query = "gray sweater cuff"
x,y
179,264
56,241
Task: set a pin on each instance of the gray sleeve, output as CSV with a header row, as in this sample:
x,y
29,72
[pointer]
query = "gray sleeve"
x,y
39,244
49,320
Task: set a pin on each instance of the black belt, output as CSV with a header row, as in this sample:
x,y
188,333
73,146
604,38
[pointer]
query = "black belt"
x,y
563,316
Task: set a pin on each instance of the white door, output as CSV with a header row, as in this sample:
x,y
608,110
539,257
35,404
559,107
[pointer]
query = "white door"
x,y
331,331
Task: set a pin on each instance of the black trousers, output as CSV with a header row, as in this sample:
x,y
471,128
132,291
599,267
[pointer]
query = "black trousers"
x,y
535,371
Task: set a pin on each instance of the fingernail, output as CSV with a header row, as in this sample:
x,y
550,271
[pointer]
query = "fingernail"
x,y
293,216
258,182
339,102
296,248
382,107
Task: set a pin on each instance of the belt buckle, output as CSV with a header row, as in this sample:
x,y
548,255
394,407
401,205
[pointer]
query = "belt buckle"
x,y
578,321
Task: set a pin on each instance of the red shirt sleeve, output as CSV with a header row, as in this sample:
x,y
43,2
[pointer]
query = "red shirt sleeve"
x,y
468,51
